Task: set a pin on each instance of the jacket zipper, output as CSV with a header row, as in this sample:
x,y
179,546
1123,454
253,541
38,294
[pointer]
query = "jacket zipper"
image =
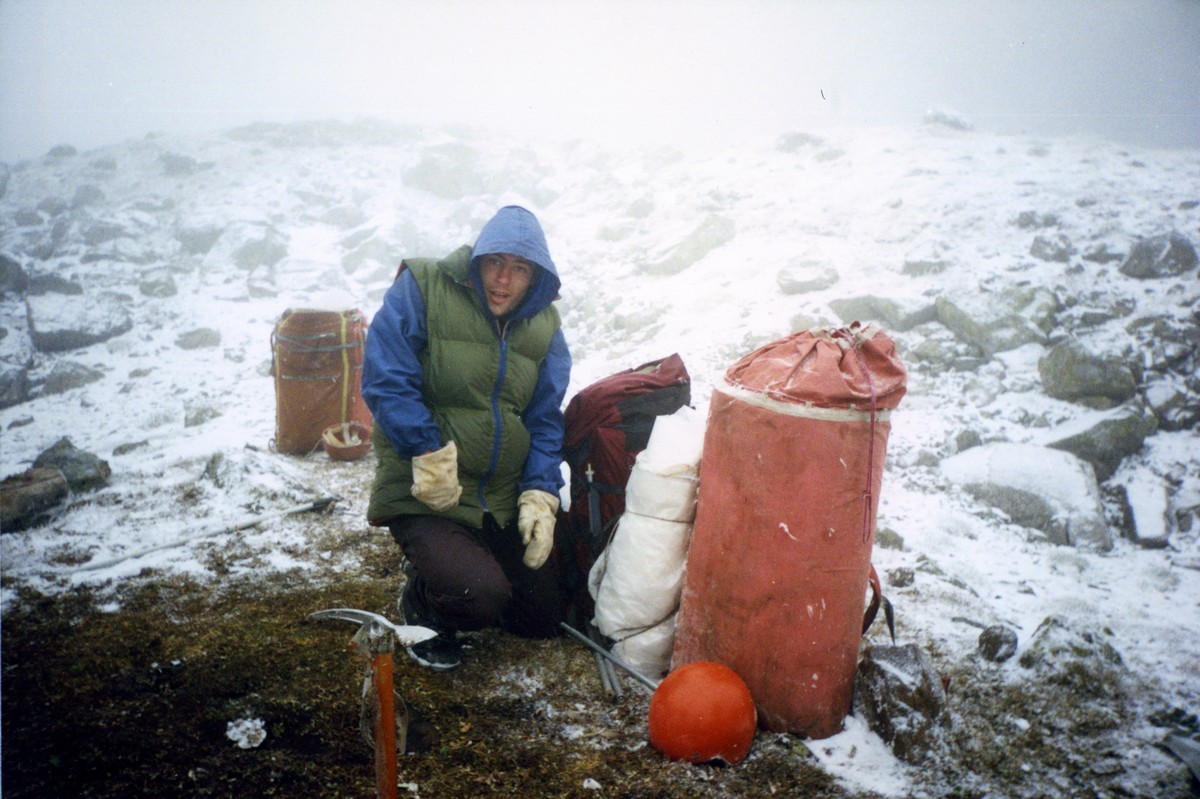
x,y
494,461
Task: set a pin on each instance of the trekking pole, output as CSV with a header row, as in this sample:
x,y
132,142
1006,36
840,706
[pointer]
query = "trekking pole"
x,y
592,645
376,639
608,675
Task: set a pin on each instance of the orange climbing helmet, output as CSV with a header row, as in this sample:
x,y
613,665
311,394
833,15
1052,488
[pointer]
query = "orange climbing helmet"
x,y
703,712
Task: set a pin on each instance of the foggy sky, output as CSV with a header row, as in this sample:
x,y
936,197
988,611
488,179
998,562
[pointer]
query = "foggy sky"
x,y
94,72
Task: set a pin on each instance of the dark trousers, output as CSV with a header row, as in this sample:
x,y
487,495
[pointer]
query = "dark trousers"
x,y
467,579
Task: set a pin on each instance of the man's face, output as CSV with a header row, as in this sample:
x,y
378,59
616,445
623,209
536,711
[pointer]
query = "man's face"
x,y
505,279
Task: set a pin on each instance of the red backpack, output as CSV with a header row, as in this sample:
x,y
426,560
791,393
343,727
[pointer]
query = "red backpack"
x,y
607,425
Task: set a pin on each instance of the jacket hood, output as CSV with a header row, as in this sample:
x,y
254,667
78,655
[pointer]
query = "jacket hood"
x,y
515,230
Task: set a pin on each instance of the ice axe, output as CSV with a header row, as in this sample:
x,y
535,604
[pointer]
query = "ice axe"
x,y
376,640
324,504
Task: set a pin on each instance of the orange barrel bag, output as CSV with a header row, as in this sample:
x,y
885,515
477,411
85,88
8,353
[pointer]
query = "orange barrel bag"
x,y
778,565
317,362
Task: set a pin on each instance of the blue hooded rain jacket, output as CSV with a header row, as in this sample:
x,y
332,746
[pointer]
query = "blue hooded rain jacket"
x,y
439,367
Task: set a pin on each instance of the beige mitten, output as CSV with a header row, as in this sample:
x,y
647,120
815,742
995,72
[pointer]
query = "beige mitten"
x,y
435,478
535,519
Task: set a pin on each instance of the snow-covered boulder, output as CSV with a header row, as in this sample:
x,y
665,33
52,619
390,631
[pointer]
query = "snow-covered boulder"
x,y
1069,371
58,322
713,232
999,321
885,311
802,275
1037,487
1160,256
1104,438
899,693
1146,501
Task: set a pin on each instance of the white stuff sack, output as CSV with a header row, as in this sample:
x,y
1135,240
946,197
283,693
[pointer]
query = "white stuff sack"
x,y
636,582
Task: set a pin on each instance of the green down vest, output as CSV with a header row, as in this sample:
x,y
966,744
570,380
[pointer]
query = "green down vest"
x,y
477,383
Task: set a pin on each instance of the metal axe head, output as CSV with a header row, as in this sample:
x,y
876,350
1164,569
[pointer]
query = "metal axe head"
x,y
406,634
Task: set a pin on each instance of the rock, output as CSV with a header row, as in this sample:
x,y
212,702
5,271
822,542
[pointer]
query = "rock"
x,y
886,312
1167,343
43,283
27,217
901,698
999,321
1070,372
27,498
83,470
1055,646
199,413
1104,438
158,283
887,538
1040,488
803,321
1146,500
62,151
997,643
946,119
376,249
712,233
247,245
53,206
343,216
927,258
1101,254
200,239
793,141
1032,220
16,353
1052,249
935,349
86,195
47,244
68,375
804,275
449,171
14,385
5,174
13,279
1174,400
200,338
965,439
99,233
128,447
1160,256
58,323
174,165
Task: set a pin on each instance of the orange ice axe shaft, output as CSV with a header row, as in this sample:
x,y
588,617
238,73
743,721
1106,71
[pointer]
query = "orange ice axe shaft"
x,y
376,639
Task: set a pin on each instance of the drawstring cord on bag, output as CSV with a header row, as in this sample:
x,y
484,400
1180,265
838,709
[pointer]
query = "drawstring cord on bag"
x,y
869,495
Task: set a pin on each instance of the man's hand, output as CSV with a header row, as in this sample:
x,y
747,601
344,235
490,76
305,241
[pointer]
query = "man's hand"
x,y
435,478
535,519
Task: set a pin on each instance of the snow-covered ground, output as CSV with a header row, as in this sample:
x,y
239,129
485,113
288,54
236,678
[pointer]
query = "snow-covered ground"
x,y
660,250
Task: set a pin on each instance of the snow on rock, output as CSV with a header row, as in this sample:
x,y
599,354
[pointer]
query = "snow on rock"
x,y
59,322
1149,504
1041,488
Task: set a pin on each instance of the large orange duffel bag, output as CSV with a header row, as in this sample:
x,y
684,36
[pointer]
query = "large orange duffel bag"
x,y
780,557
317,362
